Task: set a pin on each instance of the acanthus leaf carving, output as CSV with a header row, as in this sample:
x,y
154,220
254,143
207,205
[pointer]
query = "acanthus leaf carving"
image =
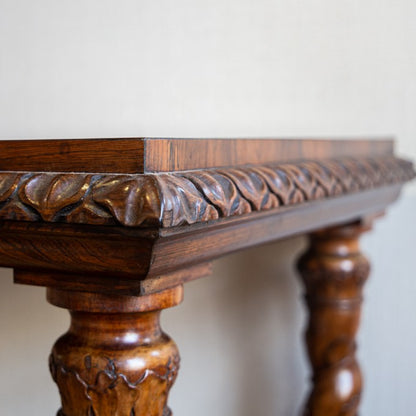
x,y
11,207
280,184
8,184
252,187
182,203
49,193
220,191
180,198
133,200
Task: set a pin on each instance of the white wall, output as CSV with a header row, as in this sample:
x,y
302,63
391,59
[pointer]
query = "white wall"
x,y
221,68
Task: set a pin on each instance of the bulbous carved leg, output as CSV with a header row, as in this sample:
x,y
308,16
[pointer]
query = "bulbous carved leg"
x,y
114,360
334,271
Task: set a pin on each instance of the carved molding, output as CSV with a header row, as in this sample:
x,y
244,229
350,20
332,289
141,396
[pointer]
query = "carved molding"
x,y
180,198
101,389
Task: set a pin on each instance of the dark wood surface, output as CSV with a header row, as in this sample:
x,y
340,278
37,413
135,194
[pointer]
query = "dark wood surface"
x,y
114,228
334,271
89,155
144,155
114,360
144,260
164,155
164,200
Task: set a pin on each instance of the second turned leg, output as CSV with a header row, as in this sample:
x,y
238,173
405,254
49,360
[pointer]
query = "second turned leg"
x,y
114,360
334,271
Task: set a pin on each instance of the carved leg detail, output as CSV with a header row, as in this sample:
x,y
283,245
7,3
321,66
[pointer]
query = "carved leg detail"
x,y
114,360
334,271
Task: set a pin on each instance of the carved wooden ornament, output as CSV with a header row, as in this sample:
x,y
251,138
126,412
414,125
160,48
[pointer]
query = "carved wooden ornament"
x,y
184,198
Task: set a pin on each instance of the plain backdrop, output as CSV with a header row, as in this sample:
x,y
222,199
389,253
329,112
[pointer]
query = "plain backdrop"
x,y
222,68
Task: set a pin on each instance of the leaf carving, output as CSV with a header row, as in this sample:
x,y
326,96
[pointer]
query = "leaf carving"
x,y
49,193
182,203
11,208
173,199
8,184
281,184
252,187
304,181
343,176
323,177
132,199
220,191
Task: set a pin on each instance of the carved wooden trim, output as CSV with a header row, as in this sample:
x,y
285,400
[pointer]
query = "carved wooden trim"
x,y
99,383
180,198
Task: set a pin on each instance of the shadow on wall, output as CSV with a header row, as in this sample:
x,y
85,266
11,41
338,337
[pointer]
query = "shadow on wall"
x,y
243,353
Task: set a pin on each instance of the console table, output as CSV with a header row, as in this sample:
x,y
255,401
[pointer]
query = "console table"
x,y
115,227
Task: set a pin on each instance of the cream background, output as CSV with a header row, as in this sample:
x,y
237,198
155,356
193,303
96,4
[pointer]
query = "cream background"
x,y
227,68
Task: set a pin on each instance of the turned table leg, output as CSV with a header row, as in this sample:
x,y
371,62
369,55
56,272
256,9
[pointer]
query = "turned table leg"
x,y
114,360
334,271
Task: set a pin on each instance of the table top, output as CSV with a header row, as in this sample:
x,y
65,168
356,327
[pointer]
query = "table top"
x,y
145,155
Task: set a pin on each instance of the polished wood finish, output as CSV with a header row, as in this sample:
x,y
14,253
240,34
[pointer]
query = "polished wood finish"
x,y
114,360
144,261
141,155
167,155
166,200
111,284
114,228
87,155
334,272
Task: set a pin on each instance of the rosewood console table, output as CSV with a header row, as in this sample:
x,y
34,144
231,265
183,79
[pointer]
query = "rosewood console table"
x,y
114,228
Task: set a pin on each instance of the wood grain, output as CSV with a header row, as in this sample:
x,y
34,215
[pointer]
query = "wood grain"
x,y
73,155
144,155
168,155
139,261
114,284
184,198
114,359
334,272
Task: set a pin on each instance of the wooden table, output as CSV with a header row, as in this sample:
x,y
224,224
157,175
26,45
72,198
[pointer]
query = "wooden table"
x,y
115,227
